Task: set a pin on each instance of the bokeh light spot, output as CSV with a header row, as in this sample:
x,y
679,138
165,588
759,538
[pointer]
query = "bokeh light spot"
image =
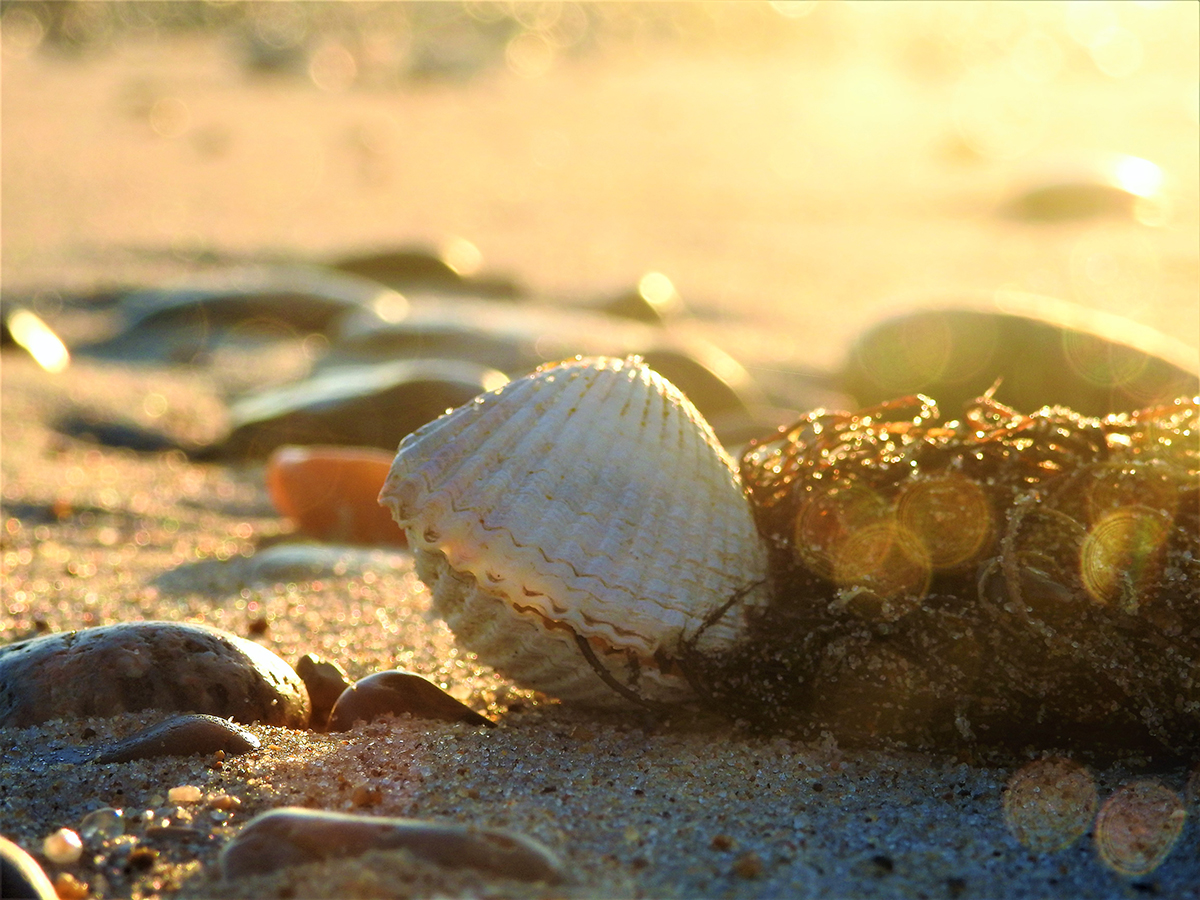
x,y
949,515
1101,361
529,54
1037,57
1120,557
1050,804
1117,53
793,9
999,116
1138,826
332,67
882,571
1111,486
170,117
827,520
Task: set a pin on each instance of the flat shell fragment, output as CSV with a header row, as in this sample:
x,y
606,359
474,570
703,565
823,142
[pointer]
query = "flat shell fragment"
x,y
292,836
582,531
398,692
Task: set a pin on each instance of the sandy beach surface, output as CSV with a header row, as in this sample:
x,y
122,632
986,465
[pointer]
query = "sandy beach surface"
x,y
798,171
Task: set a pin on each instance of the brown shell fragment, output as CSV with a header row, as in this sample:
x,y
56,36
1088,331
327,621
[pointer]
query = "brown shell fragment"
x,y
325,681
398,692
997,579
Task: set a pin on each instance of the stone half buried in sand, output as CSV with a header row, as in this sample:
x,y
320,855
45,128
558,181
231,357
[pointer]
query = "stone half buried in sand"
x,y
582,531
293,836
1033,350
365,405
135,666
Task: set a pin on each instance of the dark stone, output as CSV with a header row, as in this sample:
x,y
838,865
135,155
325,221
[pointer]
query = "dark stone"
x,y
1051,353
292,836
1113,186
183,323
372,405
147,665
398,692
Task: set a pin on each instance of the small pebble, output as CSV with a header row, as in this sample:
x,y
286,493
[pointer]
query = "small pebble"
x,y
185,793
223,802
366,794
326,681
293,836
21,876
399,692
748,865
134,666
63,847
102,825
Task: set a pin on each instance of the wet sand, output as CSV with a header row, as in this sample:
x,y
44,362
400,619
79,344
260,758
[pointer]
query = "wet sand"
x,y
803,193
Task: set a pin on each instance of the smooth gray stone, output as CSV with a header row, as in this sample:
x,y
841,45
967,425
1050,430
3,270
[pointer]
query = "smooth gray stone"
x,y
365,405
188,735
1037,351
517,339
183,322
1089,186
293,836
134,666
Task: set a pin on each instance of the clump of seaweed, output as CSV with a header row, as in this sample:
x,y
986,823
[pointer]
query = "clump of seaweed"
x,y
998,579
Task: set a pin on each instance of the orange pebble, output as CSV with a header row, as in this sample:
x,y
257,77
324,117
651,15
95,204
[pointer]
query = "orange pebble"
x,y
331,493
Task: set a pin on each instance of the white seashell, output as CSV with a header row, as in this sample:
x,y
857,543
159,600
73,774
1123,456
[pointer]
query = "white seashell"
x,y
583,510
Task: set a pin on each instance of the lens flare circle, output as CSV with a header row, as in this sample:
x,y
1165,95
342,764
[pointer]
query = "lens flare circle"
x,y
1050,804
949,515
1121,557
1138,826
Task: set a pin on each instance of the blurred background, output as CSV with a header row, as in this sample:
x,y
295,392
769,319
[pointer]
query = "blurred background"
x,y
803,167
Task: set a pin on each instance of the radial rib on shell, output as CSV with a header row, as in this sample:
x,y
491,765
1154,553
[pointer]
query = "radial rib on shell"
x,y
593,500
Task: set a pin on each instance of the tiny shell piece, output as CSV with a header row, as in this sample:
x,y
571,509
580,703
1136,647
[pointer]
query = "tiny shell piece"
x,y
586,510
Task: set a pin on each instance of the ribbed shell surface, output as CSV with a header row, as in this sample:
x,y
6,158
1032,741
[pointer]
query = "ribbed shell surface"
x,y
591,495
